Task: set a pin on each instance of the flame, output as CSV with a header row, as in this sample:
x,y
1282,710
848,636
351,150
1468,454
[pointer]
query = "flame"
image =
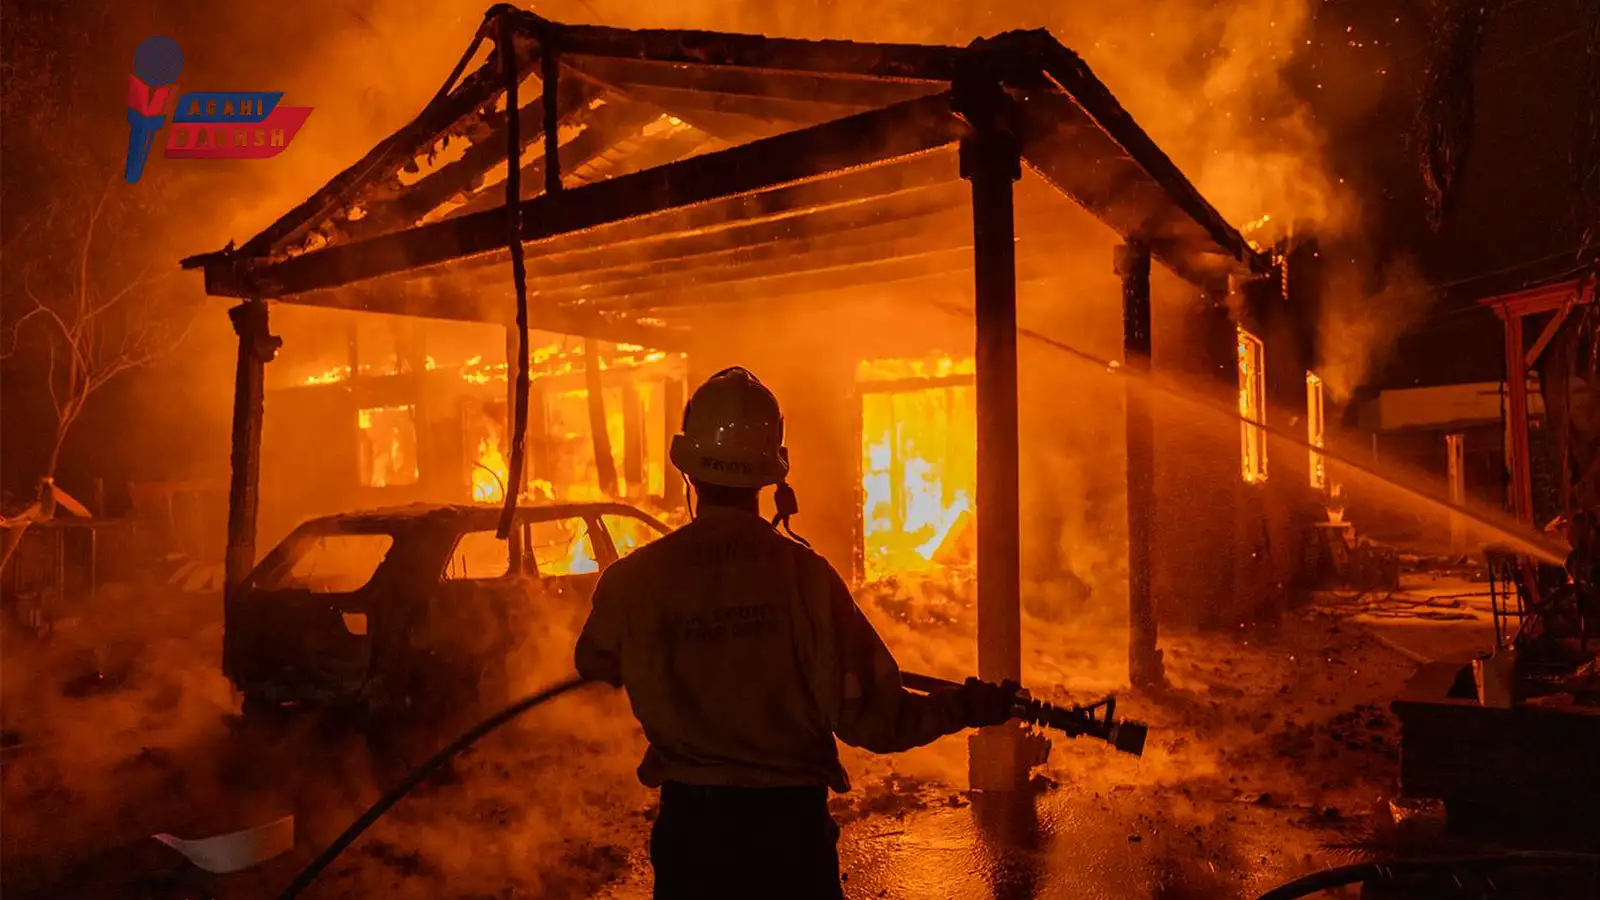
x,y
582,561
1252,406
919,466
331,376
1315,428
490,471
546,361
388,462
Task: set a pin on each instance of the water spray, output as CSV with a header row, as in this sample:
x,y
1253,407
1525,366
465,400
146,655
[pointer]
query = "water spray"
x,y
1533,544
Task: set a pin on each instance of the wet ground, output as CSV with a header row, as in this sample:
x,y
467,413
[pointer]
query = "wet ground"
x,y
1271,750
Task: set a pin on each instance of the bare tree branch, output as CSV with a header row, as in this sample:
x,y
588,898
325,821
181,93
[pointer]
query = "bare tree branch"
x,y
104,312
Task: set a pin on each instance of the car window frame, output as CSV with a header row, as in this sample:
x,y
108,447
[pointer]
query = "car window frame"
x,y
604,553
522,561
277,560
627,512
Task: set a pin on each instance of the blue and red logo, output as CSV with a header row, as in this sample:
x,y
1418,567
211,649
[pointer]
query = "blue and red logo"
x,y
205,124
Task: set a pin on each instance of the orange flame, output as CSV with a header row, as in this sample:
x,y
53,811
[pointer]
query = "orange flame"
x,y
490,473
919,466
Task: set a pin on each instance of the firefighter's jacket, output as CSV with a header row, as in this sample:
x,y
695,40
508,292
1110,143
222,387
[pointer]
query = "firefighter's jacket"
x,y
743,656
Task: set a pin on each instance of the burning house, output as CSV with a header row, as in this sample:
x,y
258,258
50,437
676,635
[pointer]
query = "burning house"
x,y
922,249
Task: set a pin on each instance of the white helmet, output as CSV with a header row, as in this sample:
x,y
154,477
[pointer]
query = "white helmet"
x,y
732,433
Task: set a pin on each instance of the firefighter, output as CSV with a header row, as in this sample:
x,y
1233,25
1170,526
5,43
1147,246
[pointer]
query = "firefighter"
x,y
744,657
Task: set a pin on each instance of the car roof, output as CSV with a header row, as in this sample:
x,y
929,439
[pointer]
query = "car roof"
x,y
469,516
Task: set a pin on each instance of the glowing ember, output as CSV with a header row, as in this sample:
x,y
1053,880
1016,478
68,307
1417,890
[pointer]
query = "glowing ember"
x,y
919,464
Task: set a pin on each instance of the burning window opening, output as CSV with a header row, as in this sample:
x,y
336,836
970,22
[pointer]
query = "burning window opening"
x,y
1314,430
490,470
918,464
388,446
1252,406
638,447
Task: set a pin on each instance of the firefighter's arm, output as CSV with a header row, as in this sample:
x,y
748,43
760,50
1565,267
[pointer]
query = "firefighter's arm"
x,y
598,656
860,688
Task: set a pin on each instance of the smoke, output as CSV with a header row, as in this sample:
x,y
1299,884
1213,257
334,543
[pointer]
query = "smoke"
x,y
1361,323
127,728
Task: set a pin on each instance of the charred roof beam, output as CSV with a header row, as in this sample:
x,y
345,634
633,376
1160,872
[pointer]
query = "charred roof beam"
x,y
1070,75
603,129
937,267
797,157
893,62
894,239
826,89
788,219
464,174
446,114
435,299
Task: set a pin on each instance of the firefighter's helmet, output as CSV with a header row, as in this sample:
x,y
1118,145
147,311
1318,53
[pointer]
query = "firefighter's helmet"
x,y
732,433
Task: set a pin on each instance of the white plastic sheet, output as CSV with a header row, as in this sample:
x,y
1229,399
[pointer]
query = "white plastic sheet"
x,y
227,853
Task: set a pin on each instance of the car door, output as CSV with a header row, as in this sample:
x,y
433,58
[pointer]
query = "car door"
x,y
297,630
472,623
566,553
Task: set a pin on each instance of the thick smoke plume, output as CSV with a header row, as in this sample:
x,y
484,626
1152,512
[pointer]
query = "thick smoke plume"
x,y
1362,323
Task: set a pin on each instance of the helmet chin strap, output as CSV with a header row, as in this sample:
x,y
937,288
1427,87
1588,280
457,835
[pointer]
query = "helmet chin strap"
x,y
787,505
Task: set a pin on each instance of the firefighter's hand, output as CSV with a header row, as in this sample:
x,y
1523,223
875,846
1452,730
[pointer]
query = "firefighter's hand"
x,y
984,704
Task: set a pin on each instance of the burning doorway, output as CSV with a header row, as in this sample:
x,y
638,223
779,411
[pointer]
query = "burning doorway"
x,y
918,464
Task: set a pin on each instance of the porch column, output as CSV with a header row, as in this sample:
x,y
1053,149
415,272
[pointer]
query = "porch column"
x,y
257,347
1517,451
1456,466
991,160
1144,660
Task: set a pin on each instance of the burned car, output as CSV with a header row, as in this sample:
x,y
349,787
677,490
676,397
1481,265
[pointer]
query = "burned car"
x,y
418,611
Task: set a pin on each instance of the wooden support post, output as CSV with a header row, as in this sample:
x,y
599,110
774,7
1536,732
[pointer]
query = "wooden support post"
x,y
352,337
672,403
257,347
605,464
538,436
1456,464
633,477
1144,660
1517,450
858,492
550,74
508,427
991,160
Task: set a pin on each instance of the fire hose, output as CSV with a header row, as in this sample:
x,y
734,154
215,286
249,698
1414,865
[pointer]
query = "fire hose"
x,y
1402,869
1078,721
